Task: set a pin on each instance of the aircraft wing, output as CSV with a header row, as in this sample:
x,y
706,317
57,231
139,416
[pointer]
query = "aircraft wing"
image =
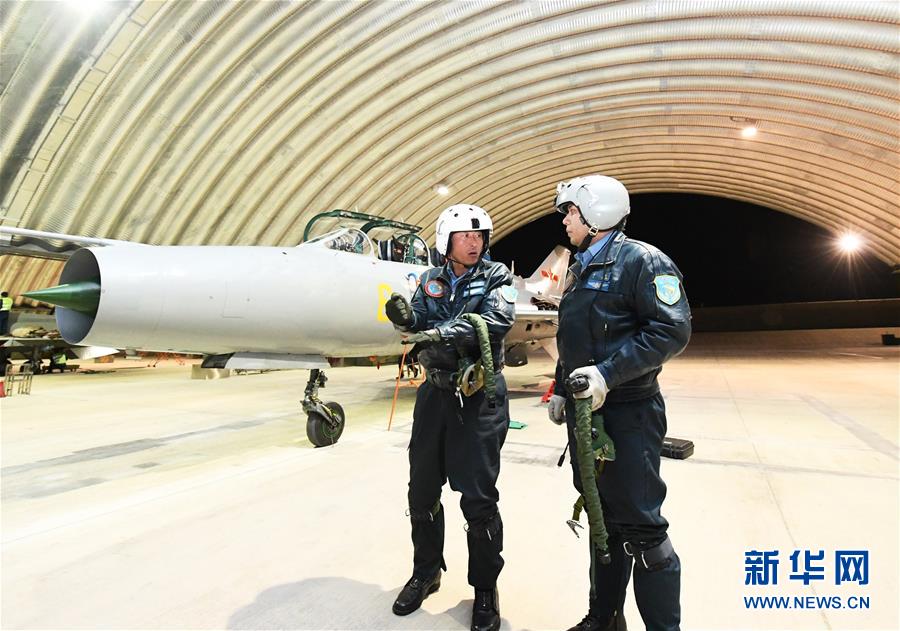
x,y
40,244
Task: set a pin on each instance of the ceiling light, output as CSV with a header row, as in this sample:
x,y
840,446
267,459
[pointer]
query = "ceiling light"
x,y
750,125
442,189
849,242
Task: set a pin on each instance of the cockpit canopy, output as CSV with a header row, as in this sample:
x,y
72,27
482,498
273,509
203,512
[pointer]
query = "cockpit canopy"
x,y
404,248
350,240
386,239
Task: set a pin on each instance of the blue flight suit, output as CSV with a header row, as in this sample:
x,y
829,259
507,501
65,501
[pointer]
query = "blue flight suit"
x,y
461,444
625,312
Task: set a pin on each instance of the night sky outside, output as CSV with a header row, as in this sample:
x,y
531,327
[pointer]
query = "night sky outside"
x,y
731,253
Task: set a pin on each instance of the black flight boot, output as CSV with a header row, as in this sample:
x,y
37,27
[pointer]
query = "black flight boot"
x,y
414,592
486,610
616,622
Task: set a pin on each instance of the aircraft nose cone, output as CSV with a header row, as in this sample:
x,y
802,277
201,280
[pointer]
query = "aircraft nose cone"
x,y
83,296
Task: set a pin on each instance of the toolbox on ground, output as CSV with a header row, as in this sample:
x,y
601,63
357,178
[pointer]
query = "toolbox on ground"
x,y
677,448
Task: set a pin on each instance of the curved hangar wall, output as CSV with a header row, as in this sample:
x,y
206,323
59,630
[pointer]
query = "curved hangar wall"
x,y
233,123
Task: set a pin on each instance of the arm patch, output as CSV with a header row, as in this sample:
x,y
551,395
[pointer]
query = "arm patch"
x,y
668,289
509,293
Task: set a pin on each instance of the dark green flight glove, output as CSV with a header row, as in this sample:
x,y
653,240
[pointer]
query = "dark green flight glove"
x,y
399,311
431,335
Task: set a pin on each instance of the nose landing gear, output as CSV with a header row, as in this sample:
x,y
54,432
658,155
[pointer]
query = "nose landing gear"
x,y
324,420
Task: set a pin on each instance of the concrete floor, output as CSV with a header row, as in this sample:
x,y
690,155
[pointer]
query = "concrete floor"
x,y
142,499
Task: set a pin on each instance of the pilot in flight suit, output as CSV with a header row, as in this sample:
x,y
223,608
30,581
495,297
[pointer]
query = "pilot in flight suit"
x,y
455,437
623,314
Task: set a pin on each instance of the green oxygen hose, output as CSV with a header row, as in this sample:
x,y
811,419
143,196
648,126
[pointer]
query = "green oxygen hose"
x,y
471,375
589,452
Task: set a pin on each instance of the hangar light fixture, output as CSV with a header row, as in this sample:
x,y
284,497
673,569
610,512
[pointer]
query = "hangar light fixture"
x,y
849,243
750,125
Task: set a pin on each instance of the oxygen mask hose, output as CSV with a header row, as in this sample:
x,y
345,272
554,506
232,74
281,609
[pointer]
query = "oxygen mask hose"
x,y
587,462
487,361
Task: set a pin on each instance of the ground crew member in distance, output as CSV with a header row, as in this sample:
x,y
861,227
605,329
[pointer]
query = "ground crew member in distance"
x,y
454,436
58,361
5,309
623,314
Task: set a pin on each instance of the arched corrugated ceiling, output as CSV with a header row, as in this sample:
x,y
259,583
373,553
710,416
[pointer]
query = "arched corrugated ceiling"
x,y
234,122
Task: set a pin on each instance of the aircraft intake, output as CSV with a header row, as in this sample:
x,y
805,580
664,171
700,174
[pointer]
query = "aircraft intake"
x,y
77,297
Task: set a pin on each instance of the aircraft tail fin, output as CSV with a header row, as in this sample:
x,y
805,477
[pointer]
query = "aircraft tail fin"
x,y
549,277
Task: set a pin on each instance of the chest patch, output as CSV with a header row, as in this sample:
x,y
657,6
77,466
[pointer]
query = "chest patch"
x,y
597,282
667,288
435,288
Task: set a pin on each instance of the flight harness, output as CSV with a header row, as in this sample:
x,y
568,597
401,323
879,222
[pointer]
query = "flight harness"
x,y
470,375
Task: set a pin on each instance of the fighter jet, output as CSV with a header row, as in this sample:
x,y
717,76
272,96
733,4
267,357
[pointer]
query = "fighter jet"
x,y
259,307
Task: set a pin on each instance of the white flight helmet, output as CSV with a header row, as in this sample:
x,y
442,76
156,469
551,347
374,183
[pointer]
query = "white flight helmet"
x,y
603,200
462,218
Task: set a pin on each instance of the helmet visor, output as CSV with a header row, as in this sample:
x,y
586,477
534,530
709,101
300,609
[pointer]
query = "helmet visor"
x,y
563,197
563,208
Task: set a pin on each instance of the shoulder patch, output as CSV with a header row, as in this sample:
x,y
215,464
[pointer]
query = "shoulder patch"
x,y
435,288
509,293
667,288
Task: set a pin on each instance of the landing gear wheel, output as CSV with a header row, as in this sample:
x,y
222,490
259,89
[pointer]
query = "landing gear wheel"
x,y
319,432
